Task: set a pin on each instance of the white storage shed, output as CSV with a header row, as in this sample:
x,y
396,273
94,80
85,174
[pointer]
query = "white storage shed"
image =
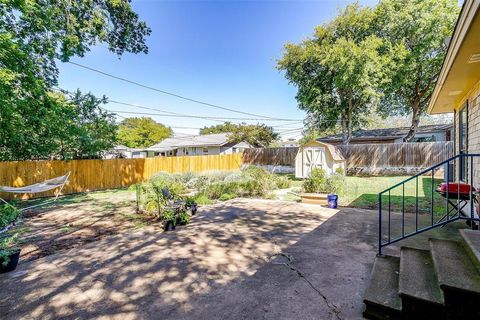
x,y
317,154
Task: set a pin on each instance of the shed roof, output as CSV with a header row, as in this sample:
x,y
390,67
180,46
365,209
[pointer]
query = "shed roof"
x,y
333,151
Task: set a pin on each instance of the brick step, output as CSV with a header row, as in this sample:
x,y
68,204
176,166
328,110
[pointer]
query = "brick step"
x,y
381,298
418,286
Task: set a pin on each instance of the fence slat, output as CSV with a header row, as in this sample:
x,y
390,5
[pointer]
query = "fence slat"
x,y
392,155
89,175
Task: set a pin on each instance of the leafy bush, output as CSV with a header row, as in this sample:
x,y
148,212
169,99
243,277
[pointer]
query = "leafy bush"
x,y
173,183
320,182
336,183
217,189
221,185
316,182
201,198
8,214
183,217
282,182
8,246
227,196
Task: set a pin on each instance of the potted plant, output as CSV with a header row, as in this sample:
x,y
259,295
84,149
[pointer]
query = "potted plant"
x,y
191,206
169,216
9,253
183,218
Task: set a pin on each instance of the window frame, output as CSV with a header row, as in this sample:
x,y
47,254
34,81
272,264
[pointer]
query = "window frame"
x,y
463,140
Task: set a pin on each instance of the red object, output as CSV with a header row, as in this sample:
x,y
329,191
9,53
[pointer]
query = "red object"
x,y
461,188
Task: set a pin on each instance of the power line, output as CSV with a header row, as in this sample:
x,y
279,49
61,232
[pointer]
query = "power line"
x,y
170,93
176,114
190,116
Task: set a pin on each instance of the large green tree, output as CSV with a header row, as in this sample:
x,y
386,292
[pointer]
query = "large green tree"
x,y
142,132
73,128
418,29
338,71
34,36
258,135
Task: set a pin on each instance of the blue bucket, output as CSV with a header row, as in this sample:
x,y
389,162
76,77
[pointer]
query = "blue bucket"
x,y
332,200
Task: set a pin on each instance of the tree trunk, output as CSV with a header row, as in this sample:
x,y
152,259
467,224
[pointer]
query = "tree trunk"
x,y
347,122
415,122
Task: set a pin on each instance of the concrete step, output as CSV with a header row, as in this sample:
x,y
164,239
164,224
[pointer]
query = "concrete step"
x,y
472,241
458,277
418,284
381,298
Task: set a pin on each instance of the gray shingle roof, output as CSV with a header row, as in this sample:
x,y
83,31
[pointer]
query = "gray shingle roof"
x,y
216,139
389,133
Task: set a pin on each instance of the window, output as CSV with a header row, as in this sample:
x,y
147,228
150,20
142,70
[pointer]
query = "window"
x,y
234,150
463,140
425,139
205,150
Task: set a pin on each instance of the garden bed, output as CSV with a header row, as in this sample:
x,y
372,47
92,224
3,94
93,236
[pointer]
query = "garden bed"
x,y
78,219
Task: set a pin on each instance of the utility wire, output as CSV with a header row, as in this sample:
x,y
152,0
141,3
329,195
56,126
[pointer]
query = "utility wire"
x,y
189,116
169,113
170,93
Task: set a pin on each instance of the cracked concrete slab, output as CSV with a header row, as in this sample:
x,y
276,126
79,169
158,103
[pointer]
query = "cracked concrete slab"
x,y
242,259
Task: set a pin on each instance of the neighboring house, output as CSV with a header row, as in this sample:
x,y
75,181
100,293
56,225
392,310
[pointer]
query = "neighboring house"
x,y
289,143
458,86
208,144
124,152
118,152
429,133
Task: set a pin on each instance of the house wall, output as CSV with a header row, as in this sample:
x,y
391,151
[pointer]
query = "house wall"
x,y
434,136
212,150
473,138
437,136
139,154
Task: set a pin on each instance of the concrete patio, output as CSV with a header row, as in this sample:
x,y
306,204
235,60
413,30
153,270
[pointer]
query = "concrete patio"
x,y
241,259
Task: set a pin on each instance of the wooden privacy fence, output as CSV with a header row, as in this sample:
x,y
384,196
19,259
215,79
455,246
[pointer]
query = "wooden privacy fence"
x,y
270,156
418,155
396,155
89,175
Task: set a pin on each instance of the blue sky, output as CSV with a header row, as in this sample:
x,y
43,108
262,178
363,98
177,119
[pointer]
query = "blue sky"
x,y
222,52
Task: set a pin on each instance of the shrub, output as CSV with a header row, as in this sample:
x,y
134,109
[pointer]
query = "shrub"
x,y
258,181
227,196
201,198
317,182
336,183
169,215
8,214
282,182
217,189
172,182
183,217
8,245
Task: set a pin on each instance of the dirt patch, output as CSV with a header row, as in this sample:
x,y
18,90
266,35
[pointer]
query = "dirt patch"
x,y
79,219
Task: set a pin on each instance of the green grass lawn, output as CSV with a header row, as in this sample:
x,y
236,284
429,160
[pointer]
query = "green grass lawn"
x,y
362,192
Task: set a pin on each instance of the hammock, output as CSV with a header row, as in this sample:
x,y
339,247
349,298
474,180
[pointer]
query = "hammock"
x,y
46,185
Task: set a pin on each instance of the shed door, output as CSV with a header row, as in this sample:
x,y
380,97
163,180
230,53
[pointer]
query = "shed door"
x,y
313,158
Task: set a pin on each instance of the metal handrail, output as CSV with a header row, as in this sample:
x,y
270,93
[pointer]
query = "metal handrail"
x,y
448,203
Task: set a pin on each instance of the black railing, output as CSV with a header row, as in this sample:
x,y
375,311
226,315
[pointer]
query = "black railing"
x,y
435,208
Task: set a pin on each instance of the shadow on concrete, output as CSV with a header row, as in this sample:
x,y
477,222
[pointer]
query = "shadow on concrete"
x,y
243,259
